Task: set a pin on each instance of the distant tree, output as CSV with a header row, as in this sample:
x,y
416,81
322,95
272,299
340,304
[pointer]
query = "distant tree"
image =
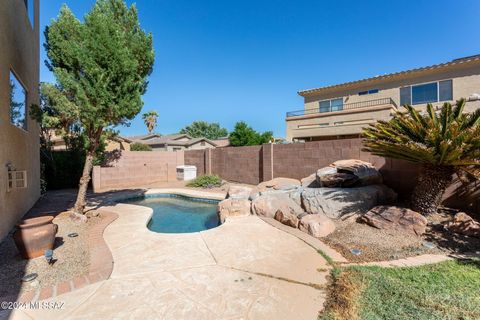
x,y
150,120
137,146
244,135
101,65
198,129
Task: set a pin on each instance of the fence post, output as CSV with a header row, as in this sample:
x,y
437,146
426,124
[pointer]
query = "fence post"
x,y
96,179
267,160
208,161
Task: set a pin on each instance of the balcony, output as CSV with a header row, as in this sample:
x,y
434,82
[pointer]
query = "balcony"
x,y
345,107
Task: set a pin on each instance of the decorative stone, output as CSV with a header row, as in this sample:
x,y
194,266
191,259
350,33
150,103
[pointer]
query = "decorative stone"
x,y
396,218
310,181
239,192
316,225
279,184
286,217
365,171
336,202
233,208
462,223
340,180
268,205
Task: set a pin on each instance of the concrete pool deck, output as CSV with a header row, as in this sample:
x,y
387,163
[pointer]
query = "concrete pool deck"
x,y
243,269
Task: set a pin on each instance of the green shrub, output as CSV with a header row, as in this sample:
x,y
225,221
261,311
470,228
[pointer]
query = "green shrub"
x,y
64,169
140,147
207,181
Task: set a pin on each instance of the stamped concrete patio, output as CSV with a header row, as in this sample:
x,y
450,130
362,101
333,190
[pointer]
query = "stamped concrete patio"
x,y
243,269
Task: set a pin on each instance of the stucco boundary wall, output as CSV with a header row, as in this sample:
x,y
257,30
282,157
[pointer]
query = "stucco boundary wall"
x,y
255,164
137,169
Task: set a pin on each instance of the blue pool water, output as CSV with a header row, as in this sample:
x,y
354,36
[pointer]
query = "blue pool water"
x,y
179,214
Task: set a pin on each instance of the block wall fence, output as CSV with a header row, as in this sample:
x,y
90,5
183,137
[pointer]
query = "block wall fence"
x,y
254,164
137,169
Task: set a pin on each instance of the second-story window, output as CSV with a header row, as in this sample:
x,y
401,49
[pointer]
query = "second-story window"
x,y
18,103
371,91
30,5
331,105
427,93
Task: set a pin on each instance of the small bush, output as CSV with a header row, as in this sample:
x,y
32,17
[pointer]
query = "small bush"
x,y
140,147
207,181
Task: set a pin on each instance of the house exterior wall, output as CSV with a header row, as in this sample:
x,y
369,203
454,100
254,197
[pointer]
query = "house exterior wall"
x,y
117,145
199,146
465,82
19,52
195,146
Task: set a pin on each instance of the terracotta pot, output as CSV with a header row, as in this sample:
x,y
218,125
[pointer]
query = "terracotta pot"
x,y
35,235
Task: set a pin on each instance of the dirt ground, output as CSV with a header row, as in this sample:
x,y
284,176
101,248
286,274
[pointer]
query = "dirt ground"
x,y
379,245
71,255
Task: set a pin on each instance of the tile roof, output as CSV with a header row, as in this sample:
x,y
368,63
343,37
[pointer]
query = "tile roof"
x,y
474,58
172,140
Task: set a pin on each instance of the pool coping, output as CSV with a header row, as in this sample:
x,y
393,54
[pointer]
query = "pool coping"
x,y
101,259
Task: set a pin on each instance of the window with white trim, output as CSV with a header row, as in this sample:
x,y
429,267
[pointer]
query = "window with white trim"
x,y
331,105
427,93
16,179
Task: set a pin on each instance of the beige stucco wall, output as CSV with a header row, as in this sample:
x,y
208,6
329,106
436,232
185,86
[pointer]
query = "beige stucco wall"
x,y
19,51
117,145
198,146
465,80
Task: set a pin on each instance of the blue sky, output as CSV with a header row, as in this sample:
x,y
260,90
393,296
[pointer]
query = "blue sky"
x,y
225,61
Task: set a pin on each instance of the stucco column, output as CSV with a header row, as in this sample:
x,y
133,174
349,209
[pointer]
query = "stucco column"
x,y
208,161
267,160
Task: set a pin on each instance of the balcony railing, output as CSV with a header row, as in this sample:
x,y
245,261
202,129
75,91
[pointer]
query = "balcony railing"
x,y
347,106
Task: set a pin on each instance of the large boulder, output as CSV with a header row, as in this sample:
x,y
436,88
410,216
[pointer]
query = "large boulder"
x,y
317,225
233,208
462,223
310,181
336,202
268,205
365,171
287,217
337,180
396,218
239,192
284,184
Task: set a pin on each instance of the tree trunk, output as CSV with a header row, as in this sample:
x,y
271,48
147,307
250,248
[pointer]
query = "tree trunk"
x,y
84,180
431,185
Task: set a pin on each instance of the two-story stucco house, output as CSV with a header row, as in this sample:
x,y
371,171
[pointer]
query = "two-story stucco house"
x,y
342,110
19,134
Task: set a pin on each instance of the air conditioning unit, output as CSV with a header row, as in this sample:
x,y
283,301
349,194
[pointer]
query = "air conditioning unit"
x,y
186,173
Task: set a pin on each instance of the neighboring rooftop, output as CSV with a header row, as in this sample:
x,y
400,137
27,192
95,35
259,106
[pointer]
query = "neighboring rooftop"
x,y
464,60
171,140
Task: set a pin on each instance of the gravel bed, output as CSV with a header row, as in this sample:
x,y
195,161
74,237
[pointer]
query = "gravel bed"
x,y
71,254
381,245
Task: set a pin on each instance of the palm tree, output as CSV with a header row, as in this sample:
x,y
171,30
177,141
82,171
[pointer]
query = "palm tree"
x,y
443,143
150,120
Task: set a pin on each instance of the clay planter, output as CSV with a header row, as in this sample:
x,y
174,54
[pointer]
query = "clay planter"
x,y
35,235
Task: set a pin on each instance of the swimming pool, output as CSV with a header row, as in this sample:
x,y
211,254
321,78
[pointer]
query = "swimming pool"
x,y
179,214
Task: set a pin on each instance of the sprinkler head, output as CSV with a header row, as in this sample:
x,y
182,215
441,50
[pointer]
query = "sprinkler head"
x,y
49,256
